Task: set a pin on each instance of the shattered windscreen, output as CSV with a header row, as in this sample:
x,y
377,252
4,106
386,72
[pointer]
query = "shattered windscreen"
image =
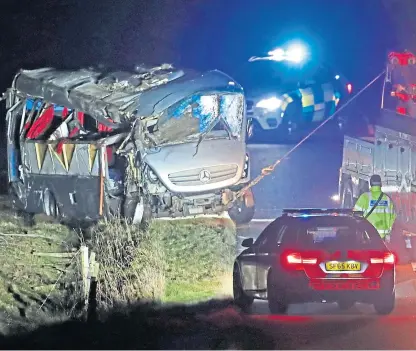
x,y
211,116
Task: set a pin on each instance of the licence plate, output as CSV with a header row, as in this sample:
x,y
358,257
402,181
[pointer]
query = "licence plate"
x,y
353,284
343,266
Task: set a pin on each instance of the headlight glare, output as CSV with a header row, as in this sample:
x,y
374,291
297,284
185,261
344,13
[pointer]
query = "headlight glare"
x,y
270,104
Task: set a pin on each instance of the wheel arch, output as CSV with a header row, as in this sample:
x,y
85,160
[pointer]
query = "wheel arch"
x,y
269,273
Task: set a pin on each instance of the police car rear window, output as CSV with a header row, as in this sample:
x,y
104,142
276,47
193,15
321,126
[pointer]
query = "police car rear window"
x,y
335,233
335,237
321,234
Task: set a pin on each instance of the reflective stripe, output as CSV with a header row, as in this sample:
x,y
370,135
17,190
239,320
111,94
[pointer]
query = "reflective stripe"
x,y
381,216
284,106
318,115
382,210
307,97
318,107
390,188
287,99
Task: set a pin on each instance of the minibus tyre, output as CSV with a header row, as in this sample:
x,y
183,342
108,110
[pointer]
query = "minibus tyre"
x,y
129,208
49,204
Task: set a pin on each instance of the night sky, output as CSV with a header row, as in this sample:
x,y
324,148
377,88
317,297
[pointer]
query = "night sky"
x,y
353,35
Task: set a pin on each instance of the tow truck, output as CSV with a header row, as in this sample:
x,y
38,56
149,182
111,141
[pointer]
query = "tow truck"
x,y
389,152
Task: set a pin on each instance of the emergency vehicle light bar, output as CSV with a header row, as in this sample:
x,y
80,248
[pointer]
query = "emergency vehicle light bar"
x,y
322,211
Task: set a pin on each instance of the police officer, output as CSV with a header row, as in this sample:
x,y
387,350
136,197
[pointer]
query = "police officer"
x,y
378,208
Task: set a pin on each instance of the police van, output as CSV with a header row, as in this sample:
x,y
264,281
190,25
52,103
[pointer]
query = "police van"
x,y
282,100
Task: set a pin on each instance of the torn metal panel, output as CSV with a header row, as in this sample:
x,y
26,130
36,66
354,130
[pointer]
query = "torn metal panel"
x,y
120,96
152,139
158,100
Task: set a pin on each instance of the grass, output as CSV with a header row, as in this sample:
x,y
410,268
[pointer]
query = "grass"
x,y
27,278
132,263
173,261
198,255
185,292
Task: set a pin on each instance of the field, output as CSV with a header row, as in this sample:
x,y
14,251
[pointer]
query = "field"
x,y
173,261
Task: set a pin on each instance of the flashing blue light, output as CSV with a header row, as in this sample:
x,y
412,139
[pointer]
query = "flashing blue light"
x,y
337,77
310,212
296,53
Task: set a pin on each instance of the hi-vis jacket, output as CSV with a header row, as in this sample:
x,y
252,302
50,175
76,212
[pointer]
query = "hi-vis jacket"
x,y
383,216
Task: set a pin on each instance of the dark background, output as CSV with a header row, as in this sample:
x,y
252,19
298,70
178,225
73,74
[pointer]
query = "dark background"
x,y
352,35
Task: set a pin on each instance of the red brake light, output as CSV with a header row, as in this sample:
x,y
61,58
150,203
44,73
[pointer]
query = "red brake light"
x,y
349,88
388,258
295,260
309,260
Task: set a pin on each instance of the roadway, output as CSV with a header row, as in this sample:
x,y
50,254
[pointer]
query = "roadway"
x,y
324,326
308,178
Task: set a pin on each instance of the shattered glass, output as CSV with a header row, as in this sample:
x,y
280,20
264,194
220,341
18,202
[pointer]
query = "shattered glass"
x,y
232,111
212,115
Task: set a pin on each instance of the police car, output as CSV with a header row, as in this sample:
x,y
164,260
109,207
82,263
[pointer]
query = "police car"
x,y
291,99
310,255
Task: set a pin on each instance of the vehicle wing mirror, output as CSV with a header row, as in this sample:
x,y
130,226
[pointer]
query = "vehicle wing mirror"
x,y
249,127
247,242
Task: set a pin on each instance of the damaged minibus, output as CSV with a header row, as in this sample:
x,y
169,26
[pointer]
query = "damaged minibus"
x,y
148,143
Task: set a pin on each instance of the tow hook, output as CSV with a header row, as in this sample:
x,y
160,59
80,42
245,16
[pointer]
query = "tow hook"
x,y
249,198
227,196
230,196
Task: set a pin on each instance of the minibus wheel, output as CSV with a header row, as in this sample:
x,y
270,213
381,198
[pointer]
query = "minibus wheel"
x,y
49,204
138,212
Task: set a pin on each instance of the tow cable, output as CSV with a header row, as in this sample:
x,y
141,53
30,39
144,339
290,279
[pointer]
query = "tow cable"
x,y
270,169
